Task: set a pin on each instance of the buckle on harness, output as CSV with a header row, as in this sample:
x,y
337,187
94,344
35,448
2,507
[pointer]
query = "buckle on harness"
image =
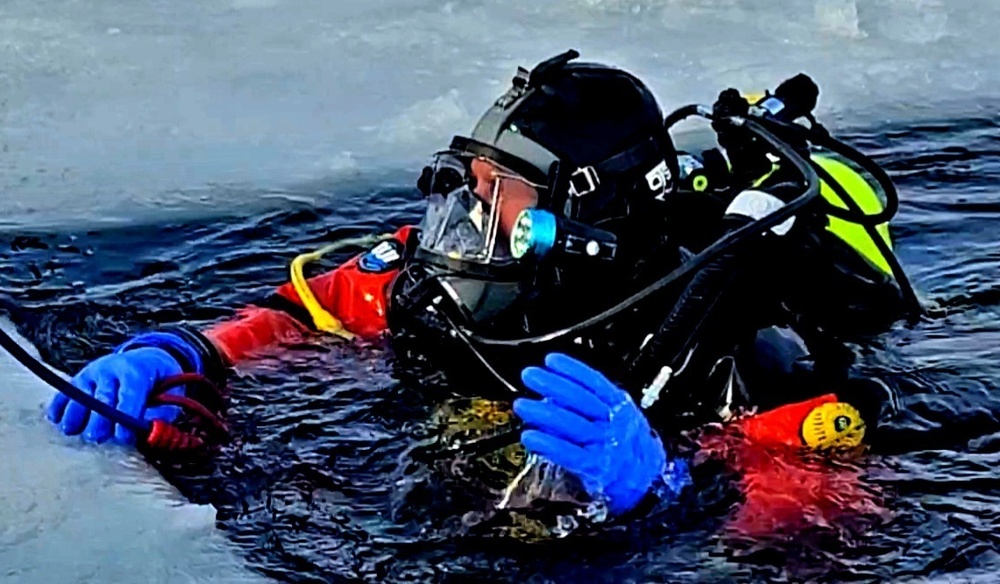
x,y
590,181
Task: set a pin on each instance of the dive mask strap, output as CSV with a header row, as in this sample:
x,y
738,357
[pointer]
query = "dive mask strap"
x,y
583,181
586,180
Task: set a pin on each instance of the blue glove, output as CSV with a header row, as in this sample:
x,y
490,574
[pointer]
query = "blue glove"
x,y
123,379
595,431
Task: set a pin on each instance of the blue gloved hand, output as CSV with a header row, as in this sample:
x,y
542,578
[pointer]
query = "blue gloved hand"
x,y
595,431
123,380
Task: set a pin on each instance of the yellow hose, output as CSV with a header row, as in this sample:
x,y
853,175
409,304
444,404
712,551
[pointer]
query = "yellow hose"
x,y
322,319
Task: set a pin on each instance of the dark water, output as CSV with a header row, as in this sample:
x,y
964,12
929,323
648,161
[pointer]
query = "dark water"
x,y
307,490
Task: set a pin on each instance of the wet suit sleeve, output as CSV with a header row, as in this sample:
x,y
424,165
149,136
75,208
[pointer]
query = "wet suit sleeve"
x,y
355,293
254,328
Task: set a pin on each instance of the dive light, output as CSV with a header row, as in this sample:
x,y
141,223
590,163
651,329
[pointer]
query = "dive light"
x,y
540,232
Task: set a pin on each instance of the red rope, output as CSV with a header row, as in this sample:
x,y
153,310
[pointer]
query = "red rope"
x,y
173,381
165,436
193,406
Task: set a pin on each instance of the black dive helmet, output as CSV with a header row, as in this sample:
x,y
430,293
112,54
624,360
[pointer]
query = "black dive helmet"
x,y
554,180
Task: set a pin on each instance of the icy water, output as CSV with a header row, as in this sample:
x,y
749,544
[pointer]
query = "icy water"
x,y
164,161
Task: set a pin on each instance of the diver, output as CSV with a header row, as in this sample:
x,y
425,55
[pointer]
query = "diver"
x,y
567,229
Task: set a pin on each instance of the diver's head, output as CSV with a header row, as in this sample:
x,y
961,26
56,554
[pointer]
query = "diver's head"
x,y
558,172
